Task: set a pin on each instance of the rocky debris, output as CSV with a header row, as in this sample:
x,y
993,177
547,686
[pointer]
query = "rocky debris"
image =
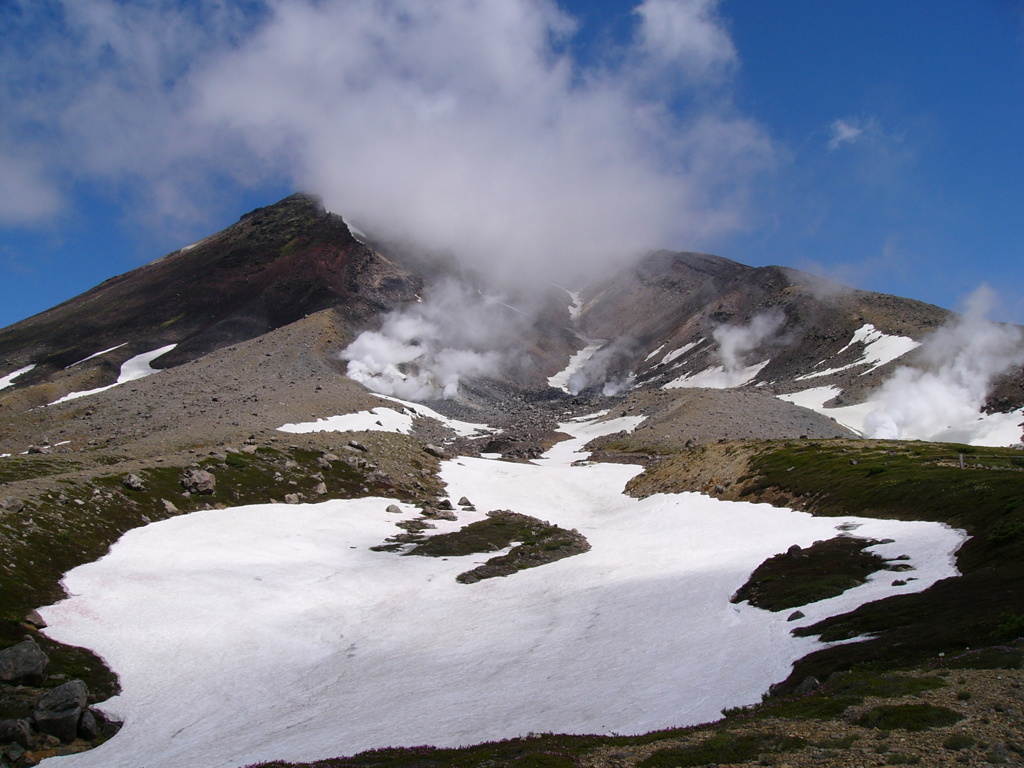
x,y
60,709
16,732
23,664
11,504
198,481
33,618
133,482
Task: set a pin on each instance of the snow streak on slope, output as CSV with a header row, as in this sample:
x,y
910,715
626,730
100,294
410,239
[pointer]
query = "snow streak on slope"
x,y
399,420
273,632
561,379
8,380
718,377
132,369
879,349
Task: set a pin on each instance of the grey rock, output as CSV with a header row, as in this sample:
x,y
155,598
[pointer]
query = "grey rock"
x,y
434,450
198,481
808,684
88,727
248,448
169,508
133,482
33,618
357,445
16,732
59,710
330,457
393,509
11,504
24,663
320,489
292,498
445,504
464,502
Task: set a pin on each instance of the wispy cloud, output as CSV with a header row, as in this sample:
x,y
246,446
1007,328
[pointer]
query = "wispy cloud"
x,y
465,126
852,130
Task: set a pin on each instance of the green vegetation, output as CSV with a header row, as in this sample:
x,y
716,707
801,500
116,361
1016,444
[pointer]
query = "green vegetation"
x,y
801,576
539,542
959,741
723,747
908,717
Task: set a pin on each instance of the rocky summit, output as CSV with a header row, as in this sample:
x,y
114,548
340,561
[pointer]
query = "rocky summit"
x,y
292,359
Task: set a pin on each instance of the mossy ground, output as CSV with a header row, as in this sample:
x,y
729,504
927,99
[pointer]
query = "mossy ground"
x,y
537,543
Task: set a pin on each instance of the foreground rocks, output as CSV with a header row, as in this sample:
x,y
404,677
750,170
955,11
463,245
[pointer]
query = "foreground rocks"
x,y
53,721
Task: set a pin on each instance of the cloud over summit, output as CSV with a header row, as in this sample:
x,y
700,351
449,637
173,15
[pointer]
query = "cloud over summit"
x,y
465,126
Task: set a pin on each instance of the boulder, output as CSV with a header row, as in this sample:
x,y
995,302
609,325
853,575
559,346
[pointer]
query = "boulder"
x,y
88,726
198,481
393,509
33,618
320,489
292,498
24,663
15,732
464,502
434,450
60,709
133,482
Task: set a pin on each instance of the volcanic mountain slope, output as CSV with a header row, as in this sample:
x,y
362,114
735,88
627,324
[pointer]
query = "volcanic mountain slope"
x,y
697,345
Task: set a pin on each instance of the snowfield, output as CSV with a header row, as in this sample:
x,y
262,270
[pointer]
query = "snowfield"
x,y
273,632
133,369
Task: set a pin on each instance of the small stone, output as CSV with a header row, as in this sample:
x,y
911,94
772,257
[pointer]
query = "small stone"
x,y
393,509
37,621
88,728
358,446
169,507
291,498
320,489
795,615
434,450
464,502
198,481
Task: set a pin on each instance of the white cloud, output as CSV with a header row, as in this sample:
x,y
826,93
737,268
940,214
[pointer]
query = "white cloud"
x,y
686,32
852,130
460,124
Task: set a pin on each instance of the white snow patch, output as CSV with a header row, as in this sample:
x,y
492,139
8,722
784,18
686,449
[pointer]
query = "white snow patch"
x,y
561,380
879,349
385,419
8,380
272,632
717,377
677,353
376,420
654,353
97,354
135,368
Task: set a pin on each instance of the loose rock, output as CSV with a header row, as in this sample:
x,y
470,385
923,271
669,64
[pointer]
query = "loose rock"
x,y
23,664
60,709
198,481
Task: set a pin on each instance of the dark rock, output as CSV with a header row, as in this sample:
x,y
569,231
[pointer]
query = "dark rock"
x,y
795,615
393,509
464,502
198,481
88,727
60,709
133,482
43,449
445,504
16,732
357,445
808,684
33,618
14,752
24,663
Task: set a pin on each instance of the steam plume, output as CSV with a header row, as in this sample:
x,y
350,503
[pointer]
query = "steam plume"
x,y
960,362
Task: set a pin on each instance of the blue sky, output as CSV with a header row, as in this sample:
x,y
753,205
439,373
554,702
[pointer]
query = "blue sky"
x,y
878,143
